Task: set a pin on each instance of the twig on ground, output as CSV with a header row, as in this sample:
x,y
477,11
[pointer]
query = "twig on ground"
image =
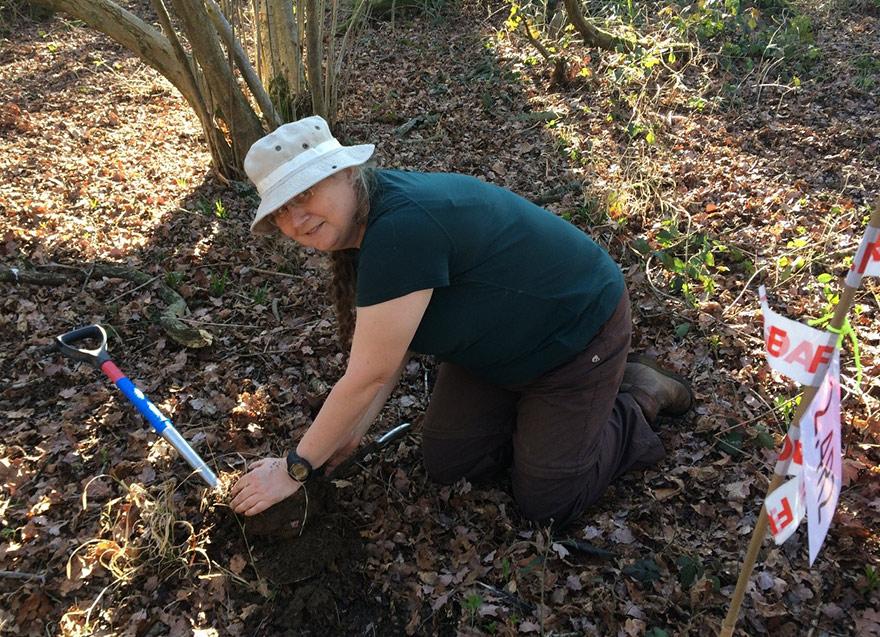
x,y
208,323
88,277
743,291
520,604
25,576
276,273
132,291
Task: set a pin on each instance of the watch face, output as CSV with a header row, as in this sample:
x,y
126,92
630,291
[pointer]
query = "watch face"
x,y
298,472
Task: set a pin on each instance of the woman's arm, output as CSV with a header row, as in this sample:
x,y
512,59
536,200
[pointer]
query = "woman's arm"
x,y
373,410
382,336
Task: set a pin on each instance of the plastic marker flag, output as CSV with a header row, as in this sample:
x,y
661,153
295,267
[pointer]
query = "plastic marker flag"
x,y
820,437
793,349
791,459
785,509
867,259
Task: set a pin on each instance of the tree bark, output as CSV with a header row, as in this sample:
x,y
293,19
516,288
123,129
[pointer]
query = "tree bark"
x,y
594,36
279,54
315,55
132,33
222,26
221,153
243,124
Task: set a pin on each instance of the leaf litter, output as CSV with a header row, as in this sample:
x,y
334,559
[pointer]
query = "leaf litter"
x,y
107,532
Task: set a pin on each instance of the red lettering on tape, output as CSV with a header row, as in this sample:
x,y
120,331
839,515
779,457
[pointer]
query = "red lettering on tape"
x,y
780,519
822,356
777,341
872,253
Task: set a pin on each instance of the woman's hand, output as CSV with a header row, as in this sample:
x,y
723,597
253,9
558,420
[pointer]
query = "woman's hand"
x,y
264,485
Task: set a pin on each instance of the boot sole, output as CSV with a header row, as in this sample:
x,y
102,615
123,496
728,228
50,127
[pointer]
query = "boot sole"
x,y
647,361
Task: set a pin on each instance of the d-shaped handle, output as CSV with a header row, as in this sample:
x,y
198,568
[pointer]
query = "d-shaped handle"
x,y
96,357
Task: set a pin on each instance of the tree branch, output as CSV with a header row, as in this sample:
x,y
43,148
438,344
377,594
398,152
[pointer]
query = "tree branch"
x,y
244,126
221,24
315,55
169,319
131,32
593,36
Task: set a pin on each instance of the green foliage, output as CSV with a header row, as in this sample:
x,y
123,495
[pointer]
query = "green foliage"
x,y
763,438
872,579
644,571
690,259
867,69
260,295
637,129
472,605
173,279
690,569
751,32
786,407
217,284
212,209
731,443
832,298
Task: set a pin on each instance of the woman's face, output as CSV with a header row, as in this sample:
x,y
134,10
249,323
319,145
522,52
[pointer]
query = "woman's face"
x,y
323,217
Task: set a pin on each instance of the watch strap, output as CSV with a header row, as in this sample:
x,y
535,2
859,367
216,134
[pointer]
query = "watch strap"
x,y
298,467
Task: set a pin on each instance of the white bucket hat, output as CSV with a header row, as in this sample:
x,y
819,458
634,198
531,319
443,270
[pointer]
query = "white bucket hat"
x,y
293,158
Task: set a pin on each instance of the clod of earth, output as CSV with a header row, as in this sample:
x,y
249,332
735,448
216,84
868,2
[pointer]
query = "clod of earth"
x,y
290,517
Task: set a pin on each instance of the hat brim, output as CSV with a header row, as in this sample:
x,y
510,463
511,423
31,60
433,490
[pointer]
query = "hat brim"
x,y
304,178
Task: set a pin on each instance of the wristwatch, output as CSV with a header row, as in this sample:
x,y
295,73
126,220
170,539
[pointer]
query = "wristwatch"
x,y
298,467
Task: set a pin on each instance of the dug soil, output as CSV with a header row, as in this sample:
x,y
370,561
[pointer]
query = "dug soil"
x,y
308,556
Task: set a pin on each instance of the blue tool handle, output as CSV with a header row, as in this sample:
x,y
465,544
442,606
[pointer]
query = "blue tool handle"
x,y
159,422
148,410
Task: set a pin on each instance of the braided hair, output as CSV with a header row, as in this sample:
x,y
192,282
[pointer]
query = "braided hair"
x,y
344,262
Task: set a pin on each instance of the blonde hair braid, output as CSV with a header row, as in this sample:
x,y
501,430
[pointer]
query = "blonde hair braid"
x,y
343,286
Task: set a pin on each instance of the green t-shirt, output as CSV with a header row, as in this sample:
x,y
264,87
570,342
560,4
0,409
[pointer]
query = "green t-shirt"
x,y
517,290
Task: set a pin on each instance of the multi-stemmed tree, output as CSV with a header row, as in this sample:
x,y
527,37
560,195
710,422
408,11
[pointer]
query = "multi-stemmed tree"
x,y
298,48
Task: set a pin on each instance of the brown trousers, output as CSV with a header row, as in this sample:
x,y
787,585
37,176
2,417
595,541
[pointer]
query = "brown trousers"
x,y
565,435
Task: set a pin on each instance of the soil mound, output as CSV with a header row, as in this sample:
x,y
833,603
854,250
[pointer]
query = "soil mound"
x,y
308,556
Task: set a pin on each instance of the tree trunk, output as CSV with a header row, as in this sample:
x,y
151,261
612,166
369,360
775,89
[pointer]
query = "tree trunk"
x,y
243,125
315,55
132,33
280,54
222,26
206,78
221,153
594,36
158,51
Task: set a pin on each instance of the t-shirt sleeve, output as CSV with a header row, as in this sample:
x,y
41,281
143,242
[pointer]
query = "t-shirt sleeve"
x,y
403,251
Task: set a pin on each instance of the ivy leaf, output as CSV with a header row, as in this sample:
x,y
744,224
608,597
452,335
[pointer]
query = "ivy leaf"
x,y
689,569
731,444
644,571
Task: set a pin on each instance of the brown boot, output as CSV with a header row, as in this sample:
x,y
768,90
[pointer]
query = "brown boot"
x,y
658,392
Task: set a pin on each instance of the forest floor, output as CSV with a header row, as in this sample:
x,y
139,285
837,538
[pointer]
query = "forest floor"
x,y
752,159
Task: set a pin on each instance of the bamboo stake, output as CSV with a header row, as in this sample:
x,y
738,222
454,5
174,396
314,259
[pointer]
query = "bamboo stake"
x,y
840,312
